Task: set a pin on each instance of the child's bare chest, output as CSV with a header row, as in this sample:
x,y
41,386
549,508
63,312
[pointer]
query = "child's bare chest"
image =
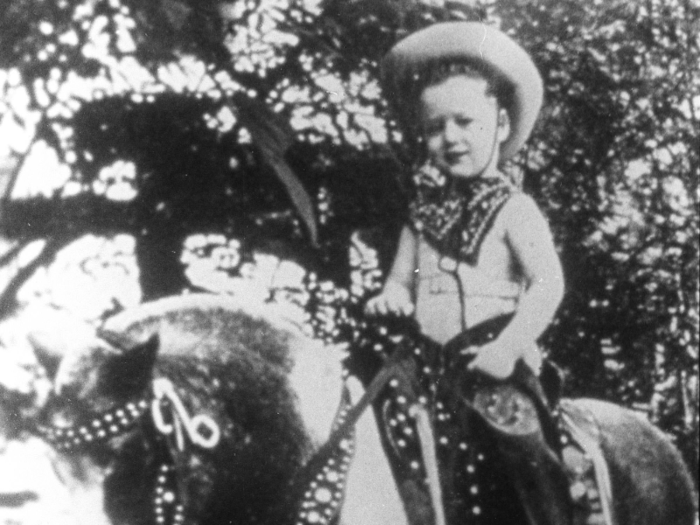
x,y
451,295
495,263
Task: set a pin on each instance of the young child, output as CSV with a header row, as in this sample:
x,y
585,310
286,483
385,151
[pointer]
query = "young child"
x,y
475,247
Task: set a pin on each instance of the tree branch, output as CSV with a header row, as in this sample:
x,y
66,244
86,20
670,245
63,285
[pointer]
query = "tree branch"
x,y
8,296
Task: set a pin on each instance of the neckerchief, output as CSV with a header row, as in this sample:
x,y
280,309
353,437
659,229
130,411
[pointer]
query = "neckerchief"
x,y
456,214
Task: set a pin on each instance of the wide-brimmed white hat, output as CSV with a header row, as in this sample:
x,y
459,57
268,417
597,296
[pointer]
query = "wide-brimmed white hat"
x,y
475,42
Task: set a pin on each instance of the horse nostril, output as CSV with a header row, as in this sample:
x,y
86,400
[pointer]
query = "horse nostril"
x,y
17,499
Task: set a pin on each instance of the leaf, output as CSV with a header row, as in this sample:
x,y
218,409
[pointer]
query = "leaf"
x,y
273,136
176,13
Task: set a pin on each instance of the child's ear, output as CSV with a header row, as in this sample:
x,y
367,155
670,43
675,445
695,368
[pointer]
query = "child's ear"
x,y
503,125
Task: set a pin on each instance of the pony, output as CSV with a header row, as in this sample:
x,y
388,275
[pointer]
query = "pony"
x,y
204,409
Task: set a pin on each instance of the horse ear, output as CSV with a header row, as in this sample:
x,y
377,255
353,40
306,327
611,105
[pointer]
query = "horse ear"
x,y
54,349
132,369
47,358
144,354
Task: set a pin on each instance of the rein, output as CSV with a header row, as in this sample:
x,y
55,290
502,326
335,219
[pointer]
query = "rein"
x,y
318,507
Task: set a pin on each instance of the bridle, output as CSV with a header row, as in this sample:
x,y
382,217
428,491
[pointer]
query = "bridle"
x,y
170,418
328,467
325,473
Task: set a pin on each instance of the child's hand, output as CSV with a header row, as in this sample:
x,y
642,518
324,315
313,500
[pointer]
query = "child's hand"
x,y
395,299
493,359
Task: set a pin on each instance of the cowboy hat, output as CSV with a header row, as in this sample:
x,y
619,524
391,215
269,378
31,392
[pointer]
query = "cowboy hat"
x,y
475,42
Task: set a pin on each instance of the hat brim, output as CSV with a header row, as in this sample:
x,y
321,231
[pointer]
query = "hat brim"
x,y
473,41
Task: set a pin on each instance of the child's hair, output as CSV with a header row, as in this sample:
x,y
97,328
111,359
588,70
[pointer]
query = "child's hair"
x,y
437,72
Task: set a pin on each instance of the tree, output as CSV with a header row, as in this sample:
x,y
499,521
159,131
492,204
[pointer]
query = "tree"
x,y
74,64
614,164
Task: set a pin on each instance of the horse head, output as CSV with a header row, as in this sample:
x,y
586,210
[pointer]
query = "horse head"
x,y
190,409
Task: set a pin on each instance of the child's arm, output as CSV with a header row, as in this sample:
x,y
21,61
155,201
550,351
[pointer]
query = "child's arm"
x,y
529,240
396,296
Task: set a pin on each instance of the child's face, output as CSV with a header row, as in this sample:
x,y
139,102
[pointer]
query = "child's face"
x,y
463,126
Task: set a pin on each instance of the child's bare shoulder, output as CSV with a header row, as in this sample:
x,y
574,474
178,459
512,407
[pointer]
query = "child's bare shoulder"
x,y
522,214
521,207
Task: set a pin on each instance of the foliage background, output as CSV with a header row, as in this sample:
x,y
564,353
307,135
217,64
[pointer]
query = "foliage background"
x,y
260,123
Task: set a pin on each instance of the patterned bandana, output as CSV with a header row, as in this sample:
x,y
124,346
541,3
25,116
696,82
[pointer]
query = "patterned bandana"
x,y
456,214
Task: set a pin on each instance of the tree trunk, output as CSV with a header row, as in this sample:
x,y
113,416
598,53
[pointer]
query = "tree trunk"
x,y
158,250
